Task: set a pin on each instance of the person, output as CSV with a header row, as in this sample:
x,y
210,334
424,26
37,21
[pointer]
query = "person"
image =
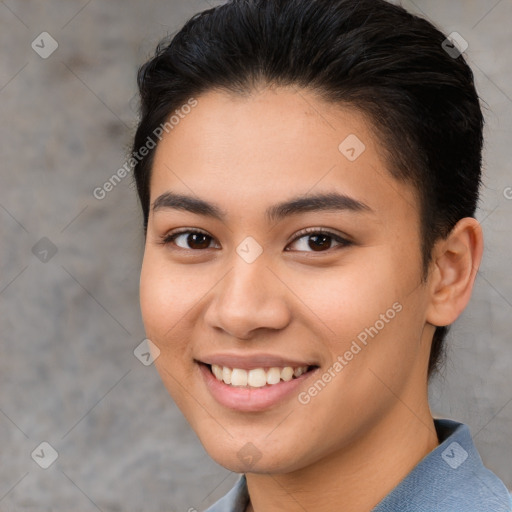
x,y
308,172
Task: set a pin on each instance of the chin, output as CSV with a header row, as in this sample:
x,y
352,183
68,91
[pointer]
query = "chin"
x,y
242,455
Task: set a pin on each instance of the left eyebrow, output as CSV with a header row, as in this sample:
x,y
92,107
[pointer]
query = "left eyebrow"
x,y
332,201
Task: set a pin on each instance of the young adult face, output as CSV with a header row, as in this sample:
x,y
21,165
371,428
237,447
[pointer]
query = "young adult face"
x,y
304,300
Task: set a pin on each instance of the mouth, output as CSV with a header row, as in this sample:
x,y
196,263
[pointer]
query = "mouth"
x,y
257,377
256,384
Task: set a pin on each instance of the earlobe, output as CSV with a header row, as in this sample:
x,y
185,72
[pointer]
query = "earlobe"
x,y
456,260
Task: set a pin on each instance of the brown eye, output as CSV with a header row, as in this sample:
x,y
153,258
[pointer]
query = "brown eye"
x,y
318,240
191,239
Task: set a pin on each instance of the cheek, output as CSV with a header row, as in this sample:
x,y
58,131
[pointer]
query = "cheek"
x,y
349,298
164,305
164,301
368,314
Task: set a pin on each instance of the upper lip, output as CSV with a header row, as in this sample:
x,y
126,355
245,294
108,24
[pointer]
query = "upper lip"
x,y
249,362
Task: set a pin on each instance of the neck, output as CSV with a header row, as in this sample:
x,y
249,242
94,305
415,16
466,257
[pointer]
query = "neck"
x,y
355,478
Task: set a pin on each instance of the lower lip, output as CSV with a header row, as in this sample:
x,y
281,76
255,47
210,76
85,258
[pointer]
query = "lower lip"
x,y
247,399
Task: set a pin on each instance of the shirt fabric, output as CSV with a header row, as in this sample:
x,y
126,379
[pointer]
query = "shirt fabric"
x,y
451,478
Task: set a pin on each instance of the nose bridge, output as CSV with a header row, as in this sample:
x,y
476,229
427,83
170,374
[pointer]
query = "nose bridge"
x,y
246,285
249,296
249,273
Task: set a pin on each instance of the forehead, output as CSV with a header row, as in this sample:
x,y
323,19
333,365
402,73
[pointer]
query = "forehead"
x,y
276,143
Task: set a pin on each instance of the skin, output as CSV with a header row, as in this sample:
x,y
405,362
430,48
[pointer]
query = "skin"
x,y
364,431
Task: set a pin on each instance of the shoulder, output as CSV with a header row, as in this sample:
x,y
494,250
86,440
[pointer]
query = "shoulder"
x,y
451,477
473,486
235,500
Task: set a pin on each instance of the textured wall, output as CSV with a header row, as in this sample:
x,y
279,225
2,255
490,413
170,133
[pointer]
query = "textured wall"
x,y
70,319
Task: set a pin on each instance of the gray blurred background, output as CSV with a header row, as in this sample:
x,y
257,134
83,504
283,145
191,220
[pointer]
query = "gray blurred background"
x,y
69,265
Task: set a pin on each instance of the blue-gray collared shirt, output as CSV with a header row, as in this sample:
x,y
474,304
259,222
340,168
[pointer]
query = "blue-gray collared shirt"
x,y
451,478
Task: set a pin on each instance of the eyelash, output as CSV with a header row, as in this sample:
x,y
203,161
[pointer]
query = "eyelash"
x,y
170,237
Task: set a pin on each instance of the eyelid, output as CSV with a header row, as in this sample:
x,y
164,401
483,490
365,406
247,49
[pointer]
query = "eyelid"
x,y
340,238
169,237
326,231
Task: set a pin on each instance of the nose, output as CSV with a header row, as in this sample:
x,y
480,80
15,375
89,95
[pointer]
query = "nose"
x,y
249,297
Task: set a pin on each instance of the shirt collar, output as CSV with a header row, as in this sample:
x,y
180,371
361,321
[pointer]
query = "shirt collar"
x,y
451,477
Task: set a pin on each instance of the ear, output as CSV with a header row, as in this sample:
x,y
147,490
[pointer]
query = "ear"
x,y
456,260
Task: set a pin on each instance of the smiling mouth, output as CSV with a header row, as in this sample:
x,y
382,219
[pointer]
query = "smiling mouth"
x,y
257,377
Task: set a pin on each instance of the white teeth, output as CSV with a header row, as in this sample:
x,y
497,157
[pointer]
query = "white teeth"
x,y
274,375
226,375
298,371
217,371
238,377
257,377
287,373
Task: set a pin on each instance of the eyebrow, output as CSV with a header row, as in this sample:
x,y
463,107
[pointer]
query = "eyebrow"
x,y
331,201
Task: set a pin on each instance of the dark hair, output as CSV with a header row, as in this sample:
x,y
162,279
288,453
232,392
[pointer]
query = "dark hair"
x,y
391,65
